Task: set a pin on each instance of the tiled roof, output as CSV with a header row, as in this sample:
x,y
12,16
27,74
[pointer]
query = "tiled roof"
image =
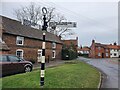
x,y
113,46
16,28
107,46
84,49
101,45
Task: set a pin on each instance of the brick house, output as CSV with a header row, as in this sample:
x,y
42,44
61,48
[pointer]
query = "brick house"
x,y
26,42
98,50
70,42
83,50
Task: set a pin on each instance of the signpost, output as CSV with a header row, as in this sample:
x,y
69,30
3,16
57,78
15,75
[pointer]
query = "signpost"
x,y
64,24
44,28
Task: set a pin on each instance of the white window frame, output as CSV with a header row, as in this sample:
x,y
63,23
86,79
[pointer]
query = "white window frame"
x,y
20,50
53,55
115,54
99,54
53,45
99,48
106,54
19,38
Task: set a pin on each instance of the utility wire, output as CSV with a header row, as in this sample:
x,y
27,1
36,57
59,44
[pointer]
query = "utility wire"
x,y
78,15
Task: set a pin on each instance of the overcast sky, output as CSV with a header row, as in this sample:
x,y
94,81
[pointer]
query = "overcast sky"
x,y
95,19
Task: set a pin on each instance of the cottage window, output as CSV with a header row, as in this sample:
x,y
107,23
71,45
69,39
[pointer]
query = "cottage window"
x,y
53,45
99,54
106,54
99,48
53,54
115,54
19,53
20,40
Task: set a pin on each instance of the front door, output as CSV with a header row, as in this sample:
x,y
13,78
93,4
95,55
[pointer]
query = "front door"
x,y
102,55
39,55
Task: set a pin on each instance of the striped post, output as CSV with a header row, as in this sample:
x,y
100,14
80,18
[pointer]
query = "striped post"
x,y
44,28
43,61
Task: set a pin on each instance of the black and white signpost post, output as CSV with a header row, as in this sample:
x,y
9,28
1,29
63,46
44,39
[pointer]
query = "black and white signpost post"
x,y
44,28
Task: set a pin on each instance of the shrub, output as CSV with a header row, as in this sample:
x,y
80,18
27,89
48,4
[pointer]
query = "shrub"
x,y
68,54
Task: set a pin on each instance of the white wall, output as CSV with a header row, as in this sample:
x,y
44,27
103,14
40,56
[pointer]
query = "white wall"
x,y
114,53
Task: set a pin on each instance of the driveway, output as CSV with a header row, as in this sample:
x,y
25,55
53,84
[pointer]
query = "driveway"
x,y
107,66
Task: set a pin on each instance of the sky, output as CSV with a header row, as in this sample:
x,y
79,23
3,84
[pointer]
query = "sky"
x,y
96,19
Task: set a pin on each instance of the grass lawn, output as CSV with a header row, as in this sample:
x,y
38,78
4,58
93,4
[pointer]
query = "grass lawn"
x,y
74,74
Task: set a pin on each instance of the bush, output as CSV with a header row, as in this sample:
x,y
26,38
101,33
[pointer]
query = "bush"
x,y
68,54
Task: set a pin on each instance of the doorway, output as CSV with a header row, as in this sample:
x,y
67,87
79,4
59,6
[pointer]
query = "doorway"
x,y
102,55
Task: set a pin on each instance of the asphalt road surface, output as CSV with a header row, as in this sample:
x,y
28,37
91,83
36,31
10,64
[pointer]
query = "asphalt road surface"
x,y
107,66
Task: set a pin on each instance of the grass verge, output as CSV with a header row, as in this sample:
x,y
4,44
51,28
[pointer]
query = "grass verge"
x,y
72,74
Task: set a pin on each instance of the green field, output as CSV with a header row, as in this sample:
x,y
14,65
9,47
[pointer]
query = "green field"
x,y
74,74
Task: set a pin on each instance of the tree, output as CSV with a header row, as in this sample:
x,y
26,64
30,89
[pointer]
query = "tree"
x,y
60,31
30,13
33,14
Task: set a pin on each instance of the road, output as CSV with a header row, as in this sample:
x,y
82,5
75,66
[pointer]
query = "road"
x,y
107,66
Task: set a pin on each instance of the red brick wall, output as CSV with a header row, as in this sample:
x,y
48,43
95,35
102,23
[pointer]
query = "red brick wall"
x,y
102,51
31,47
94,51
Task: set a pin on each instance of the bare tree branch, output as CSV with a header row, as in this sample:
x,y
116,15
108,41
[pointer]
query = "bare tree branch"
x,y
34,15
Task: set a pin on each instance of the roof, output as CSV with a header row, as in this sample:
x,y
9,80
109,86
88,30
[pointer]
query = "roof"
x,y
84,49
101,45
14,27
107,46
113,46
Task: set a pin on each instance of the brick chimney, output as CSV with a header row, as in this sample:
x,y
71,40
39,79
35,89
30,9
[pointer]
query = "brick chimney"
x,y
93,41
115,43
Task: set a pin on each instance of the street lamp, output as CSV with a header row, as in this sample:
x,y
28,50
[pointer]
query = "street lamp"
x,y
44,28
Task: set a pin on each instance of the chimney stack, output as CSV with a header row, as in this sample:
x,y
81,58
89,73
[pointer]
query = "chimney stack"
x,y
93,41
115,43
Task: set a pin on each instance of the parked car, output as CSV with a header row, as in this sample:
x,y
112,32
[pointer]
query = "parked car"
x,y
11,64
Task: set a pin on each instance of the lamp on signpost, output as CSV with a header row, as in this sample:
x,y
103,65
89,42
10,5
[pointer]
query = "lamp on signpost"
x,y
44,29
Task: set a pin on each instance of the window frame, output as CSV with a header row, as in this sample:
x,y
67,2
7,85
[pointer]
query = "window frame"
x,y
54,55
22,53
99,54
18,38
99,48
53,45
115,54
107,55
